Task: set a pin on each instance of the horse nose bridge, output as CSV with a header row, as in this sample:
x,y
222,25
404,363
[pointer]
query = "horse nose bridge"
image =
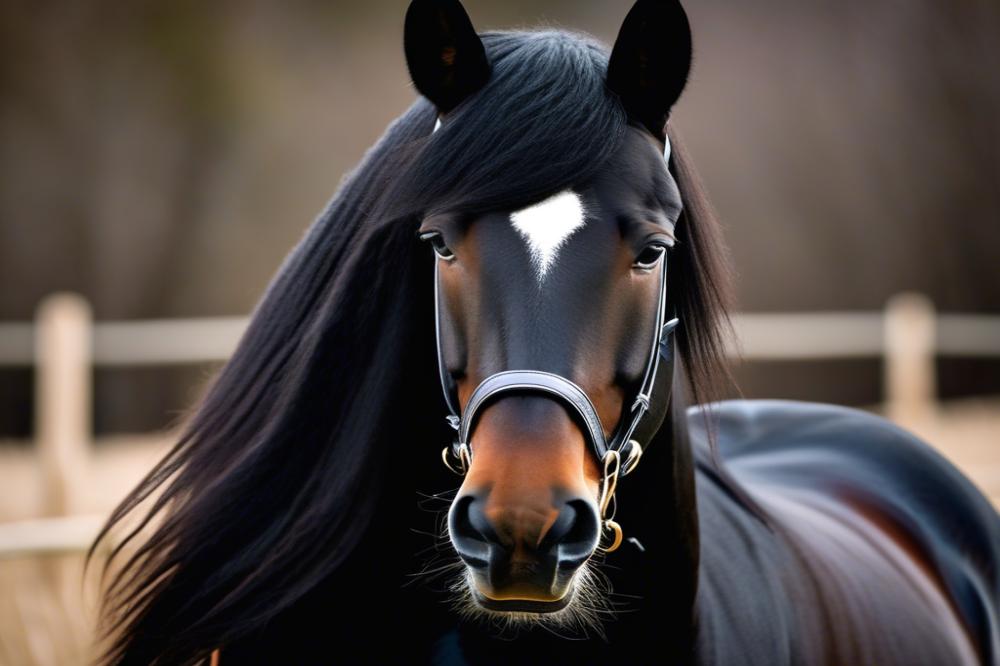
x,y
529,415
527,443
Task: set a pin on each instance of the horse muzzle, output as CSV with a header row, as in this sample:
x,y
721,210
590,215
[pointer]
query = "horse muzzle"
x,y
522,558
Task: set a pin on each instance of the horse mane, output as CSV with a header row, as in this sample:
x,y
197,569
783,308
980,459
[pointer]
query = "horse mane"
x,y
700,284
277,476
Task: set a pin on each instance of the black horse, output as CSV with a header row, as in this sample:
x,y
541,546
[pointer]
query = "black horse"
x,y
573,303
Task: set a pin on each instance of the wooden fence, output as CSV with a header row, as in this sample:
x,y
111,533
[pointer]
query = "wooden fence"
x,y
64,344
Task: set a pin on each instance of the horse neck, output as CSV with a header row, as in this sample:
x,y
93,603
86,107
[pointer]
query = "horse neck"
x,y
658,507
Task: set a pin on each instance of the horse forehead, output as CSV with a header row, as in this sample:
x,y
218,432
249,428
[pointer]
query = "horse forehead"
x,y
546,226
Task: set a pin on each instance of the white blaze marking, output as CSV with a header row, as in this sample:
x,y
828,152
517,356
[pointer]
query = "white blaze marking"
x,y
547,225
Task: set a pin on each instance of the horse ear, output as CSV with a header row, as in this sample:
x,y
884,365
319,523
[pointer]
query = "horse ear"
x,y
651,60
445,56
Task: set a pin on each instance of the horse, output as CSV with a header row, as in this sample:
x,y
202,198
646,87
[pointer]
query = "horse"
x,y
525,271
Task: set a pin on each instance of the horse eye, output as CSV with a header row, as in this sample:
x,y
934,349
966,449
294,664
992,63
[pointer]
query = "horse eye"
x,y
649,256
437,242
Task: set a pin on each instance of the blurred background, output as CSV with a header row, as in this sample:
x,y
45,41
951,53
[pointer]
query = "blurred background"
x,y
159,159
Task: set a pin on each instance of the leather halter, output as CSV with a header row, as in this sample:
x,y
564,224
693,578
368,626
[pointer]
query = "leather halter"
x,y
619,455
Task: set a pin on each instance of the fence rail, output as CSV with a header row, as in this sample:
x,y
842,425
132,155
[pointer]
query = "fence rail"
x,y
761,337
48,536
63,344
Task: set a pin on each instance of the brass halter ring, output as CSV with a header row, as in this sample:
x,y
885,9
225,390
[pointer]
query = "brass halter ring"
x,y
459,462
632,461
609,484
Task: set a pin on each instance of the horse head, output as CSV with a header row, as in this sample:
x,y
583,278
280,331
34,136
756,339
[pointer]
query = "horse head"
x,y
553,336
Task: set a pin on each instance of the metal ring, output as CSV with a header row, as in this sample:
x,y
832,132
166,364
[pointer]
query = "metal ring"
x,y
446,459
612,468
464,457
616,541
634,453
612,464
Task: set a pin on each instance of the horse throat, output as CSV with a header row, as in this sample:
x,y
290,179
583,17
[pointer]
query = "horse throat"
x,y
659,560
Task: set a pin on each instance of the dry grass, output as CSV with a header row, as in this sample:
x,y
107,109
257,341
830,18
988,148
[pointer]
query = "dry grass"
x,y
47,617
43,618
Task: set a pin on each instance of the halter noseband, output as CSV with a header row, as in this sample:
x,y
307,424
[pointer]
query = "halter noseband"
x,y
619,455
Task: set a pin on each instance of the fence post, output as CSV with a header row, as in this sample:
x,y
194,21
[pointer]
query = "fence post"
x,y
910,378
63,399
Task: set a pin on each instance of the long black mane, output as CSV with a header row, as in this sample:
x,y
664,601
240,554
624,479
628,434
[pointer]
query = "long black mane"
x,y
329,411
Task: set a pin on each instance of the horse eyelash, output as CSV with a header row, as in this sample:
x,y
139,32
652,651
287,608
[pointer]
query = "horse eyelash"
x,y
437,243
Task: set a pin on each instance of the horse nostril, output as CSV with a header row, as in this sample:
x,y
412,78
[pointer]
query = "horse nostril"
x,y
567,543
574,534
471,532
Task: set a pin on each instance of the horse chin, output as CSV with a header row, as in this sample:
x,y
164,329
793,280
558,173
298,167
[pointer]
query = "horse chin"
x,y
579,611
522,588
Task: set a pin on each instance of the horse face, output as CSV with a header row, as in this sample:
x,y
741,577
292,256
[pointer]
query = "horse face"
x,y
568,286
